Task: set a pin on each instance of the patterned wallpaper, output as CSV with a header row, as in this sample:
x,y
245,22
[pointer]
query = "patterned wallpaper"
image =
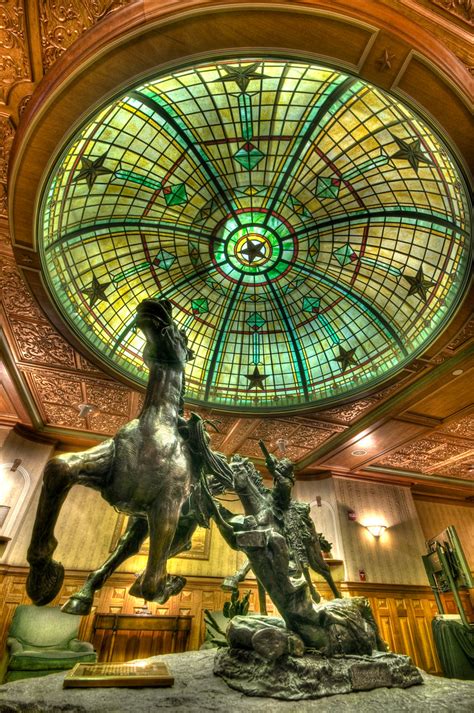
x,y
325,514
222,560
84,530
86,525
435,517
395,558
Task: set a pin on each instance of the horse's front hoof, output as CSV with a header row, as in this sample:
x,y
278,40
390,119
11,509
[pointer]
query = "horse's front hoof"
x,y
44,582
136,588
174,584
78,606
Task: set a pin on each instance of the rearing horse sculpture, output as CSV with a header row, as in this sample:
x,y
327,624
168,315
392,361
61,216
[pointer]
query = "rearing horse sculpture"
x,y
145,470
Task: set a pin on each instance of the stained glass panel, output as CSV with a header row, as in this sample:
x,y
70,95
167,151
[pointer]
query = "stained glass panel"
x,y
310,230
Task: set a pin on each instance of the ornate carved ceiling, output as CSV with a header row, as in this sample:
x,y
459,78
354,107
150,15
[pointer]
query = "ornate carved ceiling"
x,y
421,423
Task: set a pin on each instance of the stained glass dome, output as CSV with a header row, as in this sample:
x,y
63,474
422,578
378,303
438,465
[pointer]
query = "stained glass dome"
x,y
310,230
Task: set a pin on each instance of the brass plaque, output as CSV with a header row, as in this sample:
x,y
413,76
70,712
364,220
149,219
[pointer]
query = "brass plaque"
x,y
366,676
133,674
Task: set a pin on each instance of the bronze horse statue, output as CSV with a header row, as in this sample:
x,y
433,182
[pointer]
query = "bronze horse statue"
x,y
146,470
290,516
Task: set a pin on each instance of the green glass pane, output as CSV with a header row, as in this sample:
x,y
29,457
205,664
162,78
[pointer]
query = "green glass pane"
x,y
311,230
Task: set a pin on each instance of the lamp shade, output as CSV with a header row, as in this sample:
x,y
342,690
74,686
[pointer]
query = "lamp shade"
x,y
376,530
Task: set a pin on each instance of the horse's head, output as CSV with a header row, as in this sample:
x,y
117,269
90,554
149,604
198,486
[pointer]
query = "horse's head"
x,y
165,343
244,472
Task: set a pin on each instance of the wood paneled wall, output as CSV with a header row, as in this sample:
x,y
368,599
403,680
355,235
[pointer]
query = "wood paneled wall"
x,y
404,617
403,613
199,594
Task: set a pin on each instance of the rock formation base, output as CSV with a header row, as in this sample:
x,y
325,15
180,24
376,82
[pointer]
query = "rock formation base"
x,y
312,676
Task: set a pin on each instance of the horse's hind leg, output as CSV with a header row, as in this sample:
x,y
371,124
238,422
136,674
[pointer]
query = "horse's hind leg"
x,y
154,584
61,473
128,545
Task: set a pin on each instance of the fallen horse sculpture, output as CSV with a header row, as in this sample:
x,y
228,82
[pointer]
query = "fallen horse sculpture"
x,y
261,533
314,649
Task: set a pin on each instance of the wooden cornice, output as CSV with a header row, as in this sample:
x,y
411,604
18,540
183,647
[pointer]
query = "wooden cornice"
x,y
390,407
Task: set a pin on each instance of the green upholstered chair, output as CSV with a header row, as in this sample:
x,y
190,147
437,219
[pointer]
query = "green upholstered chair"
x,y
42,640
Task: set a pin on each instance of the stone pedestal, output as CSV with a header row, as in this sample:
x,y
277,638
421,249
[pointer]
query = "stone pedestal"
x,y
197,689
313,676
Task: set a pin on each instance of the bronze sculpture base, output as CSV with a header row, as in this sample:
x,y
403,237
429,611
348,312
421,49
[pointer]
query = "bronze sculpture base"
x,y
265,658
294,678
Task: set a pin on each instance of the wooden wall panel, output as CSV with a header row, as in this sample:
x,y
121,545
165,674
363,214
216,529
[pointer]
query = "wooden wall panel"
x,y
381,605
424,643
403,613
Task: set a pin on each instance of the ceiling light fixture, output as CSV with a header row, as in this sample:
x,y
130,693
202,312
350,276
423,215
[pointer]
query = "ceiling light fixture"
x,y
86,410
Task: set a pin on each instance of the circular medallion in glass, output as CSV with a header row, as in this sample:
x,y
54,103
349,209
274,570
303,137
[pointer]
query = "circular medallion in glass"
x,y
311,230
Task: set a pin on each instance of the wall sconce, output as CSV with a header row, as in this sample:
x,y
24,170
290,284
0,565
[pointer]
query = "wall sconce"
x,y
376,530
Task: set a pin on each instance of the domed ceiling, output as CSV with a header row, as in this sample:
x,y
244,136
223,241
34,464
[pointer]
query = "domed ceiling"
x,y
310,230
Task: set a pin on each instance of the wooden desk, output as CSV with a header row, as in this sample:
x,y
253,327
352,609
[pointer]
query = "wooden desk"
x,y
124,637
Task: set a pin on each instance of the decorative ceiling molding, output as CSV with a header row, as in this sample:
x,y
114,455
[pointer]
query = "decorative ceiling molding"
x,y
63,23
462,427
465,335
429,483
7,134
347,413
436,453
14,61
462,9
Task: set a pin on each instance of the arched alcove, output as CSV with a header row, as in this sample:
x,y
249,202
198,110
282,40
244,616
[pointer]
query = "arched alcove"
x,y
15,483
325,521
